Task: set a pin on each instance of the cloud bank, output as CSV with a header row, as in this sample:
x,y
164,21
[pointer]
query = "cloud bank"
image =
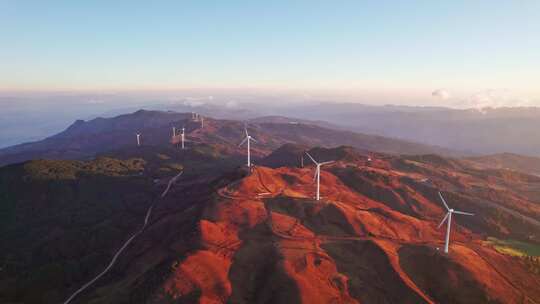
x,y
441,94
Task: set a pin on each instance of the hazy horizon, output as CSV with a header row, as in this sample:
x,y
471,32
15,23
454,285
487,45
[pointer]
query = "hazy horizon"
x,y
456,54
65,60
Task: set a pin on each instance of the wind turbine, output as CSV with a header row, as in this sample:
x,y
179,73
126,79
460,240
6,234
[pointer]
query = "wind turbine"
x,y
448,218
202,122
183,136
138,139
318,173
248,139
173,131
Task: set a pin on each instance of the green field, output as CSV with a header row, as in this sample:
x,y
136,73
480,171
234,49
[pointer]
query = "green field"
x,y
514,247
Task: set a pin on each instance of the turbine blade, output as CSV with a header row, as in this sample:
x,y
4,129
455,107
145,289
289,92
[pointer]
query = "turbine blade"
x,y
443,220
464,213
243,141
315,175
312,159
253,139
328,162
444,202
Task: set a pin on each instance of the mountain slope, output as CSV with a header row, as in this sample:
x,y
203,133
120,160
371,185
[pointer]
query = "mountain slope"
x,y
223,234
83,140
527,164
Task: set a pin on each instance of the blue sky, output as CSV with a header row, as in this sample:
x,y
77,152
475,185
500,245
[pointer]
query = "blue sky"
x,y
461,46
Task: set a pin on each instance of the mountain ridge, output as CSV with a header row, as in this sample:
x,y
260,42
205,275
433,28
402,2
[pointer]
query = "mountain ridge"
x,y
84,139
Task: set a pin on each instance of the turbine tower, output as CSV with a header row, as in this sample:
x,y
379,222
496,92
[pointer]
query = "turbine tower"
x,y
317,175
202,122
248,139
183,136
138,139
448,219
173,131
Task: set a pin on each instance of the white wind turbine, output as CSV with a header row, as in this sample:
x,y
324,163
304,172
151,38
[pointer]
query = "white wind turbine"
x,y
248,139
183,136
138,139
448,218
318,173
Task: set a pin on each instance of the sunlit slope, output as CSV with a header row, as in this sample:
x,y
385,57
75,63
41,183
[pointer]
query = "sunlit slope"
x,y
225,235
265,239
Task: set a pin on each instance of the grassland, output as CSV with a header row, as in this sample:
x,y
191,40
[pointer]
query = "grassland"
x,y
514,247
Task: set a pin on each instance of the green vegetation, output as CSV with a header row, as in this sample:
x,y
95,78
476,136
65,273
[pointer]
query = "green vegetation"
x,y
176,166
514,247
163,156
58,222
65,169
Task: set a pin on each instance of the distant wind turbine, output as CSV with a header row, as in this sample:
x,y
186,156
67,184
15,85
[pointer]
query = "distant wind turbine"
x,y
138,139
183,135
202,122
173,131
317,175
448,218
248,139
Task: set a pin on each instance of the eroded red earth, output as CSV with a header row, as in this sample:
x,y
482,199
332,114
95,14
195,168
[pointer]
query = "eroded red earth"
x,y
372,238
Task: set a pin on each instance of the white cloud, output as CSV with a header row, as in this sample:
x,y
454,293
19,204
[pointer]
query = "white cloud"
x,y
441,94
497,99
95,101
231,104
193,103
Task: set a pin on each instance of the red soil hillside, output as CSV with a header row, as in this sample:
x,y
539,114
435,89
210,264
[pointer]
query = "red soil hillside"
x,y
371,239
224,234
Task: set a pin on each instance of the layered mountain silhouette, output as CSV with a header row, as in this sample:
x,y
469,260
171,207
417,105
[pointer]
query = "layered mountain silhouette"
x,y
482,131
226,234
84,140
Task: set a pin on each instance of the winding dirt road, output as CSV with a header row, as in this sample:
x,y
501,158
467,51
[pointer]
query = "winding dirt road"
x,y
117,254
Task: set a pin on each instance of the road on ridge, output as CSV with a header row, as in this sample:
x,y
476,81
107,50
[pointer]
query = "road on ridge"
x,y
117,254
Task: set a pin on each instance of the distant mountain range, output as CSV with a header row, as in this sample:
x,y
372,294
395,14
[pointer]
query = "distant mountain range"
x,y
474,131
85,139
486,131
